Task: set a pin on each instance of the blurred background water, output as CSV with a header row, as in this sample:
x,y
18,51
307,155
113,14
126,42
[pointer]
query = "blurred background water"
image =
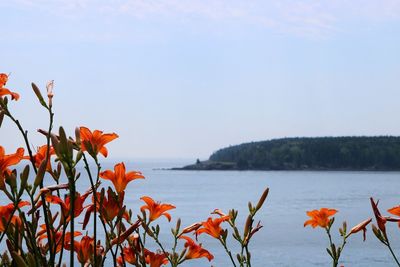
x,y
283,241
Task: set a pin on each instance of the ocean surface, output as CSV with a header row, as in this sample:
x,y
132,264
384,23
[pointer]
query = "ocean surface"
x,y
283,241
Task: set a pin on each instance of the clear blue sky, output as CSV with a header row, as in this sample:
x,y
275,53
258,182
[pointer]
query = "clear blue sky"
x,y
184,78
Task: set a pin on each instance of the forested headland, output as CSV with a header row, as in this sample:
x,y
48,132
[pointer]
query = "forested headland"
x,y
308,153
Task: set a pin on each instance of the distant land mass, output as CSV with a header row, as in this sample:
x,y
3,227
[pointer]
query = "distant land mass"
x,y
377,153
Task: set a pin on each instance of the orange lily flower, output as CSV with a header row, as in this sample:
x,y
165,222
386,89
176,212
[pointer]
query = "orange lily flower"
x,y
9,160
361,226
320,217
42,234
212,226
156,209
195,251
65,205
119,177
84,249
110,208
95,142
395,211
5,91
129,254
5,214
41,156
155,259
381,220
3,79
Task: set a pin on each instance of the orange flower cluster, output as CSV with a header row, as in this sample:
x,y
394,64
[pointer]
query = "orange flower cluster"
x,y
196,251
212,226
320,217
66,204
52,225
5,91
9,160
110,207
6,215
40,156
119,177
95,142
156,209
6,161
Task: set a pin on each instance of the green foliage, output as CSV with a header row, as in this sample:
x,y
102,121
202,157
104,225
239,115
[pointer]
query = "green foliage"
x,y
342,153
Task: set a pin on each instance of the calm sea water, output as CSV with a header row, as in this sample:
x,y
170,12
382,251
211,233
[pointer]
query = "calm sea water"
x,y
283,241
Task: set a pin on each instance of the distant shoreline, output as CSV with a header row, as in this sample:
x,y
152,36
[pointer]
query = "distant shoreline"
x,y
345,153
231,166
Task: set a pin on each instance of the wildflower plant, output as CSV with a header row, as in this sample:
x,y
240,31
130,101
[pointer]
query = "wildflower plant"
x,y
41,224
379,230
321,218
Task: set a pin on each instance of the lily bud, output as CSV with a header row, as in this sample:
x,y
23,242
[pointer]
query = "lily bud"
x,y
178,225
247,226
361,226
378,234
239,258
190,228
218,212
39,175
49,87
262,199
12,181
39,95
183,253
24,179
55,143
250,207
78,136
18,259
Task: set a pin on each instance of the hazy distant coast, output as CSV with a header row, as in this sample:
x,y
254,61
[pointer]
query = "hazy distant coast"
x,y
377,153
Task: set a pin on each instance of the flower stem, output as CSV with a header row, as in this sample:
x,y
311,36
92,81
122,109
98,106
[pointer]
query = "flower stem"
x,y
333,251
94,192
72,214
227,251
392,252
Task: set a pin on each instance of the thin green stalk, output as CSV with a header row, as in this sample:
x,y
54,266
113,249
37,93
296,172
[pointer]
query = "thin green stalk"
x,y
72,196
72,214
114,253
94,192
227,251
162,249
52,253
95,210
334,257
248,257
174,248
141,254
392,252
62,241
108,242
